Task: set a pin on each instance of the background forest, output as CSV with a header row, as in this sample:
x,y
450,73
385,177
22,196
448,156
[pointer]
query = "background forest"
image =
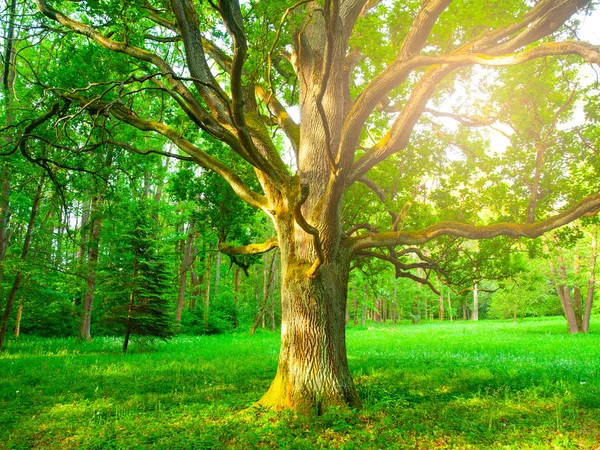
x,y
71,252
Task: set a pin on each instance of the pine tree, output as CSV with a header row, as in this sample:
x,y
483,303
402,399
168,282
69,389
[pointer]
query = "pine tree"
x,y
140,295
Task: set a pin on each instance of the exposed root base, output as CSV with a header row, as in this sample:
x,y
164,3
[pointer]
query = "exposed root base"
x,y
281,396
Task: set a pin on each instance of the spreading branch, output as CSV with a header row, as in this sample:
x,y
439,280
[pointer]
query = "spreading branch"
x,y
399,134
252,249
475,232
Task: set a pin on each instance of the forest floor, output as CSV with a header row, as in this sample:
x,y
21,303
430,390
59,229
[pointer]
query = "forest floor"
x,y
478,385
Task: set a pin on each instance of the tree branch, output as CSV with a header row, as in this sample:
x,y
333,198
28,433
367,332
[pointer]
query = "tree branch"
x,y
252,249
540,21
398,135
589,205
308,228
189,23
199,156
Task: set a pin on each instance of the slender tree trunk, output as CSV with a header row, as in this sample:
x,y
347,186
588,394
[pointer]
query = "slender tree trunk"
x,y
566,300
395,303
475,315
363,315
207,289
441,307
195,282
355,303
8,78
19,316
161,182
577,306
449,306
217,271
268,282
19,275
129,324
93,251
589,301
236,296
4,219
185,263
84,234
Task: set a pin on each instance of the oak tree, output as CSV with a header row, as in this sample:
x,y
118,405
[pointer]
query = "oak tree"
x,y
368,80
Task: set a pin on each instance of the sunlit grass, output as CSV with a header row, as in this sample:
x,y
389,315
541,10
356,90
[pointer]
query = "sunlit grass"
x,y
453,385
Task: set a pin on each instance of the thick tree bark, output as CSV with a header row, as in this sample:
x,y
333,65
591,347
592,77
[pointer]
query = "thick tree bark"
x,y
313,369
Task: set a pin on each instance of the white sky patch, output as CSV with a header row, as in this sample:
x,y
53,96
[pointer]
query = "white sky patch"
x,y
590,28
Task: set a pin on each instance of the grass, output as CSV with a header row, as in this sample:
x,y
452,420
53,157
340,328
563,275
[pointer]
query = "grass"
x,y
525,385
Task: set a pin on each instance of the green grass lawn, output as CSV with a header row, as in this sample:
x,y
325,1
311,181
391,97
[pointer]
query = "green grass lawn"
x,y
489,384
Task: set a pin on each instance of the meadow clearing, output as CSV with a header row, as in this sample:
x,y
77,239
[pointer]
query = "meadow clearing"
x,y
488,384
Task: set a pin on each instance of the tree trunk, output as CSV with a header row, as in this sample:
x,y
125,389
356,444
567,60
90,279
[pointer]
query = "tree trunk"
x,y
589,301
207,289
8,78
355,305
441,307
19,275
185,263
128,324
18,320
395,303
236,296
449,306
268,282
475,315
84,234
566,300
93,250
4,218
577,306
363,312
313,370
217,271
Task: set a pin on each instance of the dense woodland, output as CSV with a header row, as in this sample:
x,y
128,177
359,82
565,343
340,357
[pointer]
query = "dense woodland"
x,y
438,161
